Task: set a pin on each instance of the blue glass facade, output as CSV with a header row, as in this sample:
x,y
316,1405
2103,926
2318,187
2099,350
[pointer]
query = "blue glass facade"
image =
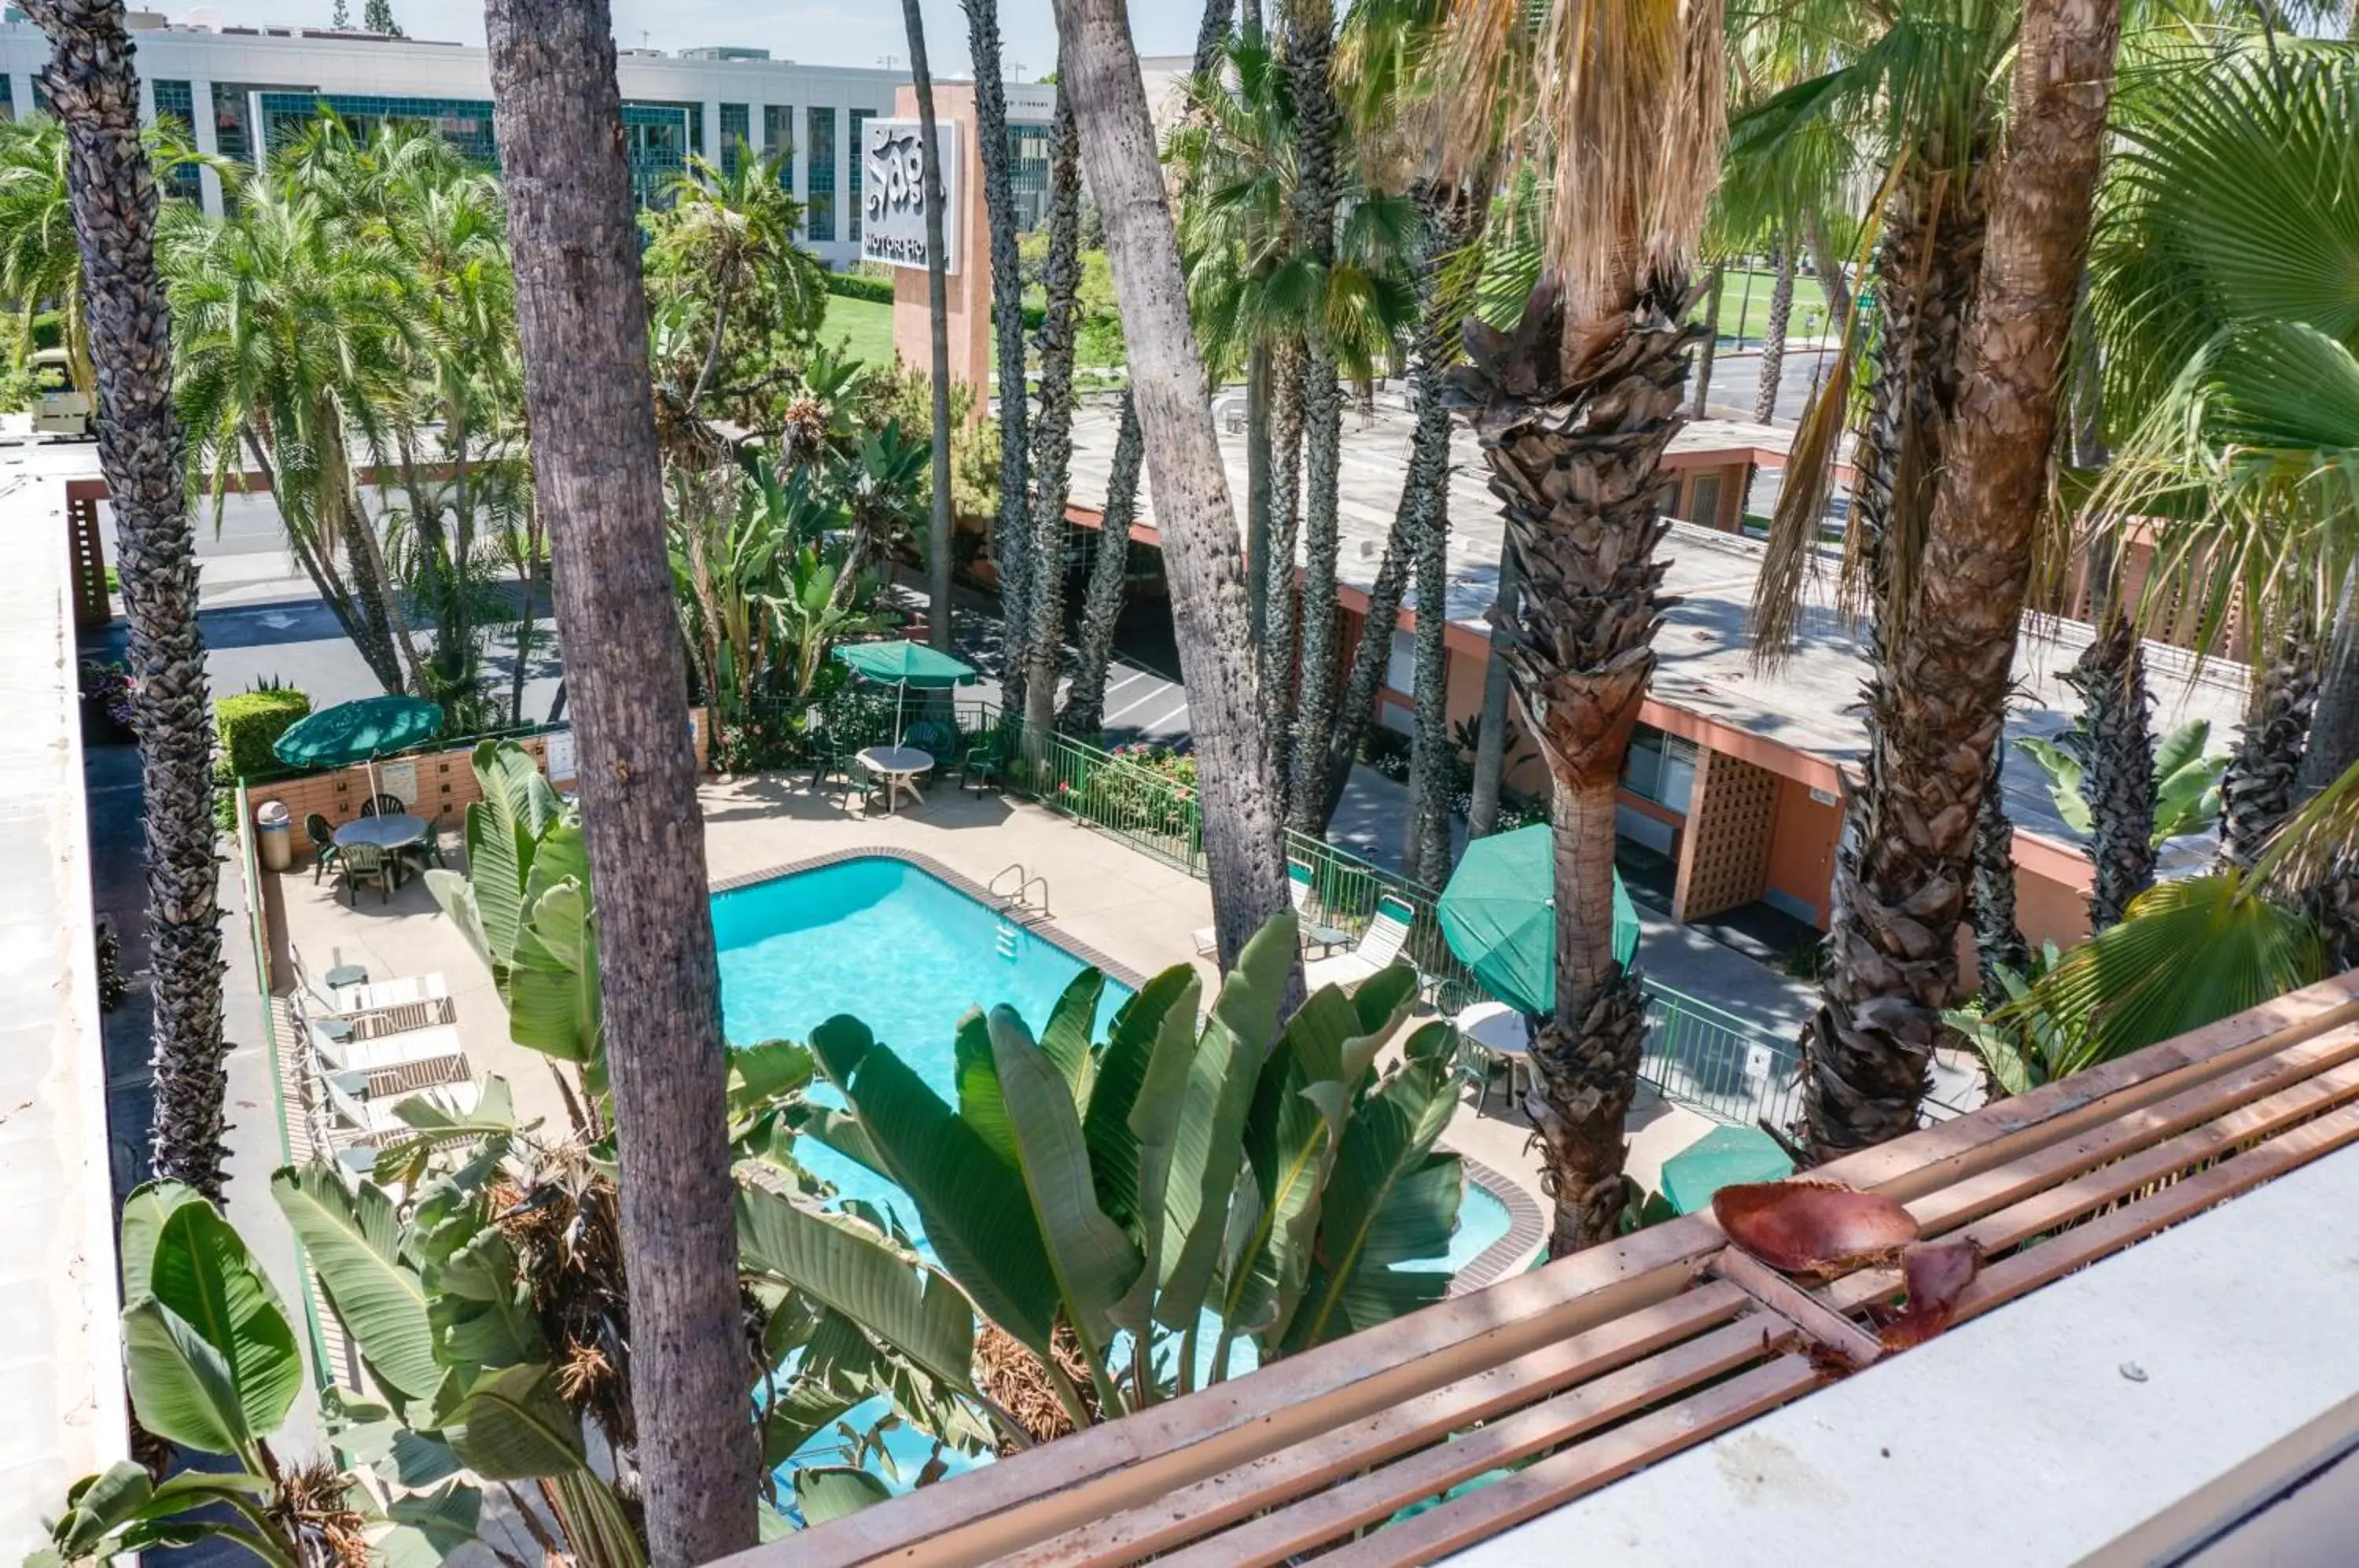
x,y
7,98
779,140
659,138
176,100
464,122
736,132
818,207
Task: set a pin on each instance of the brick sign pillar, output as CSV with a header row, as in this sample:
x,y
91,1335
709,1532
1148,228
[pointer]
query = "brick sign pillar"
x,y
968,234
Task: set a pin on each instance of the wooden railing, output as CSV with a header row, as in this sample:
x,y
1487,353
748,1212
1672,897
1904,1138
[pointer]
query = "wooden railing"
x,y
1438,1429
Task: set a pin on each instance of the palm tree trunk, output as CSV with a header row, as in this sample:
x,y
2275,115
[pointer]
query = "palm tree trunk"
x,y
1213,34
1279,641
1998,939
1828,262
1052,436
1433,757
2115,745
1772,338
1260,496
95,92
1244,844
1578,466
2334,723
581,319
1084,710
1936,706
1711,348
1491,734
2258,790
1011,540
937,527
1310,59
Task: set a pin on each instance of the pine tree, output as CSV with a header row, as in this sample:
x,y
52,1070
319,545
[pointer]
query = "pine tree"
x,y
377,16
341,19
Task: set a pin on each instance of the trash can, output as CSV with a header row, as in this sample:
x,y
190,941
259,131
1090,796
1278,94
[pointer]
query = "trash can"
x,y
274,835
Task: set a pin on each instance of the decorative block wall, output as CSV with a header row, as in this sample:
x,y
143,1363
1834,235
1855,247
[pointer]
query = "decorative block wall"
x,y
1725,853
444,783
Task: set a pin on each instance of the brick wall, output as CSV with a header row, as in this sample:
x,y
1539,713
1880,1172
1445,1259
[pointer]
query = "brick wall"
x,y
1724,851
445,784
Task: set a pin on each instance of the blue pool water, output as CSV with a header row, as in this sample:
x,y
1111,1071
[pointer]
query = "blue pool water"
x,y
902,950
908,955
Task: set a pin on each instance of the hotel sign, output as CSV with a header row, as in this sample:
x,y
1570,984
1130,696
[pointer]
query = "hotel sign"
x,y
892,193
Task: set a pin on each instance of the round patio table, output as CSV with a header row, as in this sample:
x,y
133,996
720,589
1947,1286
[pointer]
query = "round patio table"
x,y
395,832
1499,1031
900,767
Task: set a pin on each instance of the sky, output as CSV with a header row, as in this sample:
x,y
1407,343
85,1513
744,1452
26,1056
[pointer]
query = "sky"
x,y
815,32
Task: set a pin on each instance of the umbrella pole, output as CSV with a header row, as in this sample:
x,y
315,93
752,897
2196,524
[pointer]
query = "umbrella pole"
x,y
900,690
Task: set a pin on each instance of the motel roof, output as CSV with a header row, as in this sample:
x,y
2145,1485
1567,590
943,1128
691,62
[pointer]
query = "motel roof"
x,y
1801,717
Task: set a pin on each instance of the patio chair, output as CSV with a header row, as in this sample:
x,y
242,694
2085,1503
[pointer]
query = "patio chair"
x,y
1379,948
391,1063
937,740
365,862
384,806
1299,886
863,784
325,852
984,762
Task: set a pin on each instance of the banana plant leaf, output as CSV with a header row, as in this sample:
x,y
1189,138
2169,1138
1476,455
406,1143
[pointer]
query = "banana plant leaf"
x,y
212,1359
353,1237
977,1214
917,1312
1095,1263
827,1492
511,1426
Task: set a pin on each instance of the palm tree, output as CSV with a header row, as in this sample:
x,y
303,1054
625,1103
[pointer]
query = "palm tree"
x,y
40,262
1243,844
581,314
1084,710
2257,792
1937,703
1053,436
1773,335
95,94
728,237
1573,409
938,531
290,333
1012,540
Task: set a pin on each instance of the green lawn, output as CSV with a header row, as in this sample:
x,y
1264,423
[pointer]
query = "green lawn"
x,y
1809,308
865,327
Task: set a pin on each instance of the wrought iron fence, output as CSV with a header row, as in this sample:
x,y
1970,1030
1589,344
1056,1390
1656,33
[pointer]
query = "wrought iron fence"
x,y
1697,1054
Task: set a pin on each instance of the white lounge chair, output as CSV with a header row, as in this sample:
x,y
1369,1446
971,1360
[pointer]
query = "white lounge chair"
x,y
1298,893
1379,947
353,1116
414,1001
392,1063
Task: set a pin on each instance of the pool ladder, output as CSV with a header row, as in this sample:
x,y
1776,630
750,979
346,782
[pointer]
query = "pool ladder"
x,y
1019,902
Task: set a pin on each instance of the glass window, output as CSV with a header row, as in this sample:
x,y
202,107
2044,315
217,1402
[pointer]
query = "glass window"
x,y
859,119
7,97
818,211
657,138
177,103
779,140
1027,171
1660,767
736,130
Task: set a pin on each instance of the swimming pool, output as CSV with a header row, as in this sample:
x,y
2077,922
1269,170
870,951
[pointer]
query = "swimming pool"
x,y
908,955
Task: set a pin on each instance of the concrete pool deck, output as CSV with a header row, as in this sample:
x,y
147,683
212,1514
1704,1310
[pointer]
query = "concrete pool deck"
x,y
1103,895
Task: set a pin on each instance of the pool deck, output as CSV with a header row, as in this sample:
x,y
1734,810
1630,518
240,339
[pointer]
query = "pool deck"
x,y
1107,901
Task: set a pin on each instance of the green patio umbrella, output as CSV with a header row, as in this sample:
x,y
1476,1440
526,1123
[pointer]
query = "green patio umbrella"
x,y
1725,1157
902,665
360,731
1498,915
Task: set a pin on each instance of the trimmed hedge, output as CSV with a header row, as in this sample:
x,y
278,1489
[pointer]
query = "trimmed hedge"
x,y
853,286
250,723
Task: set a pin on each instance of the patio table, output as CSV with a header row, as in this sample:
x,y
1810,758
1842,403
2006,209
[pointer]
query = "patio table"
x,y
1500,1032
396,831
900,767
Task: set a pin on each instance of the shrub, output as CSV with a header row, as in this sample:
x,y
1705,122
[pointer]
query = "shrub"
x,y
854,285
250,723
